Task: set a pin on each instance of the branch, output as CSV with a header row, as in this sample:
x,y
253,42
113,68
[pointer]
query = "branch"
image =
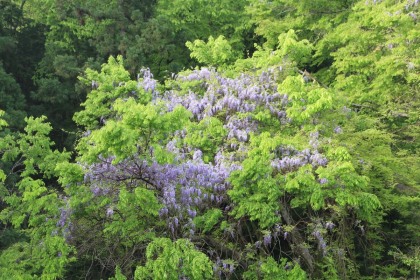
x,y
297,238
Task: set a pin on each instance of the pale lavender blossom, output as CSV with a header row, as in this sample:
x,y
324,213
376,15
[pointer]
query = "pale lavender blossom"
x,y
109,212
267,240
318,160
413,16
322,245
329,225
147,82
64,215
205,73
198,155
96,191
323,181
338,130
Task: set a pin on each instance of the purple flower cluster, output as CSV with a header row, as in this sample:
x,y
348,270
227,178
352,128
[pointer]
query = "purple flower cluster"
x,y
98,191
267,240
317,159
297,159
240,128
322,245
64,223
223,267
323,181
329,225
314,139
198,75
227,96
109,212
184,189
146,80
64,217
338,129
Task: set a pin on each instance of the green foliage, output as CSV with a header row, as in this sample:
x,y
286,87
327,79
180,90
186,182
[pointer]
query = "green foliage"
x,y
31,206
288,52
343,203
135,208
312,19
12,100
329,270
378,63
207,135
296,51
208,220
412,260
135,119
255,193
200,19
139,122
172,260
3,123
270,269
118,275
307,100
216,52
113,82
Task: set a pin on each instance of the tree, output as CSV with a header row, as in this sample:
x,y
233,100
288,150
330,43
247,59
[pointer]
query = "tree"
x,y
295,158
140,145
34,212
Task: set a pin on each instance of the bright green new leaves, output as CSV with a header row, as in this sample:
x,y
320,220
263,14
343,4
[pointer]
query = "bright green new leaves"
x,y
255,193
208,220
306,100
43,258
268,269
3,123
134,121
216,52
115,229
138,124
32,203
111,83
376,59
207,135
257,189
140,199
174,260
288,53
133,216
289,47
341,184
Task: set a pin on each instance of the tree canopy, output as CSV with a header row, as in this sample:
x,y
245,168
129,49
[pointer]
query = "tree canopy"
x,y
209,139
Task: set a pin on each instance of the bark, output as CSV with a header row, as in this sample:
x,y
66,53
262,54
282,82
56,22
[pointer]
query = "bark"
x,y
296,240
